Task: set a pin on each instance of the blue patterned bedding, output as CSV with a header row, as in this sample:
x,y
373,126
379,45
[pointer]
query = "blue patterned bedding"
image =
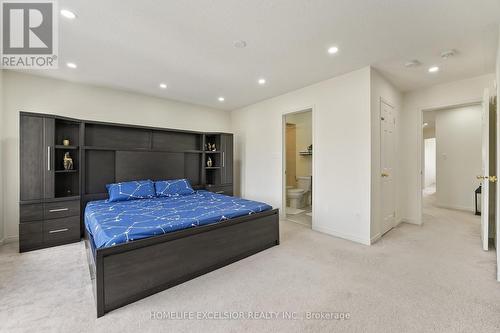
x,y
111,223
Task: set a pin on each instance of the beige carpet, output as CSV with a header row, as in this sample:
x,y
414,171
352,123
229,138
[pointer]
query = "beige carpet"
x,y
415,279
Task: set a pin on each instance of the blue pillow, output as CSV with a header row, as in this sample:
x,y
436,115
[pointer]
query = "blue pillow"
x,y
170,188
137,189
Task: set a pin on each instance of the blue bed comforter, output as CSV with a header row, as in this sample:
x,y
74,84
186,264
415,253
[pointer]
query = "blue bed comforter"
x,y
111,223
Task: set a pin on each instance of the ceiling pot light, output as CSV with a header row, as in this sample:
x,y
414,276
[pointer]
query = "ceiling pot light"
x,y
221,99
68,14
433,69
333,49
262,82
71,65
163,85
426,124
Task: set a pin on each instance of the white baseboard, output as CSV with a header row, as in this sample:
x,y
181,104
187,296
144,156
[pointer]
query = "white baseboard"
x,y
9,239
336,233
409,220
375,238
455,207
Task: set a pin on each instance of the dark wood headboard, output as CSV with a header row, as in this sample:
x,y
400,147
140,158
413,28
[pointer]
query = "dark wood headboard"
x,y
114,153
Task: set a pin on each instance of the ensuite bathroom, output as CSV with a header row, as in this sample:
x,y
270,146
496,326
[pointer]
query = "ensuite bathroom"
x,y
298,171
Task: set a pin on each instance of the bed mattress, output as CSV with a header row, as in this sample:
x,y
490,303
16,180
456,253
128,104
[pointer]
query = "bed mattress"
x,y
112,223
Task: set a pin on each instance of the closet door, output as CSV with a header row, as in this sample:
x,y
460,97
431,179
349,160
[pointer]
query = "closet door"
x,y
32,158
227,159
49,157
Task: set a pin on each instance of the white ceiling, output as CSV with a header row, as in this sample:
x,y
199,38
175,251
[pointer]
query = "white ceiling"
x,y
135,45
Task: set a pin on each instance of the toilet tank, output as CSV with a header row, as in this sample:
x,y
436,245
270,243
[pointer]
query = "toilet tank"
x,y
304,183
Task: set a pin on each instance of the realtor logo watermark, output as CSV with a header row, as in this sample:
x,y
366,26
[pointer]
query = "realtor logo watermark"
x,y
29,35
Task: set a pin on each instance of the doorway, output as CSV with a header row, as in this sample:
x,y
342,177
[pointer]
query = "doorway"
x,y
458,151
298,167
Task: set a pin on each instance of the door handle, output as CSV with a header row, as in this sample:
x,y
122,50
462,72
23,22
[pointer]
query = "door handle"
x,y
384,174
48,158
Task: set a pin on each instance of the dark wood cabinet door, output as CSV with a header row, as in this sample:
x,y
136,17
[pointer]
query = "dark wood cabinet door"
x,y
32,157
49,157
227,158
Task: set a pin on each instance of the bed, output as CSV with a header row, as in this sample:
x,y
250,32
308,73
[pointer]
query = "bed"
x,y
139,247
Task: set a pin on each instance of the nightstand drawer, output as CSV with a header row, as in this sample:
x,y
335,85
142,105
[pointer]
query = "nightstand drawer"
x,y
30,235
63,230
54,210
31,212
28,228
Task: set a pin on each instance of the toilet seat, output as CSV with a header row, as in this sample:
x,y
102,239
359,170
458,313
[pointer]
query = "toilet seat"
x,y
295,191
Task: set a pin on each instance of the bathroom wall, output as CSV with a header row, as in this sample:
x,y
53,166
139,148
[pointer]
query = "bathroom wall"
x,y
303,139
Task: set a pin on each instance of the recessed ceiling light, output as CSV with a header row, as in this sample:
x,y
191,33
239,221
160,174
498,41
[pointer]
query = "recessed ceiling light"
x,y
240,44
433,69
221,99
163,85
333,49
71,65
68,14
426,124
262,82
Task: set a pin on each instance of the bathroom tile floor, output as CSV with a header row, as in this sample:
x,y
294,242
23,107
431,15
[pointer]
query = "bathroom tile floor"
x,y
301,218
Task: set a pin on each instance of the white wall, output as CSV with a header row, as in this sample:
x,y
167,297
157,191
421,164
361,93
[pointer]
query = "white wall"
x,y
303,138
23,92
458,156
454,93
341,159
1,157
430,162
381,89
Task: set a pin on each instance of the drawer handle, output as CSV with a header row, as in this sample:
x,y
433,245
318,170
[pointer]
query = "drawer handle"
x,y
58,210
58,230
219,192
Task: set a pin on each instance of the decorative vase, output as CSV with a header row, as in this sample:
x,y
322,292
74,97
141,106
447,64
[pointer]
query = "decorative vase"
x,y
209,162
65,142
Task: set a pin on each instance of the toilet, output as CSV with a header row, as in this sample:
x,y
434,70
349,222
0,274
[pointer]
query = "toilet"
x,y
299,197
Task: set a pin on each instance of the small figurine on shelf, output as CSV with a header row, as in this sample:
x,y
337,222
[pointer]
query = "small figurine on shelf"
x,y
68,162
213,147
209,162
65,142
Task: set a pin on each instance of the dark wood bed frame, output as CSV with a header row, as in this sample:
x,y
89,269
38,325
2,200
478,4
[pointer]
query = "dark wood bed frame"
x,y
128,272
106,153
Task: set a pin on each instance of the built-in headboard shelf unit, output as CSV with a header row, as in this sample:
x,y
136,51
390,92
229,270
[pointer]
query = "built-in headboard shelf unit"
x,y
105,153
115,153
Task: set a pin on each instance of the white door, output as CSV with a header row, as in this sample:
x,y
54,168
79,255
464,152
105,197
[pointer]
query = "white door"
x,y
387,161
484,177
